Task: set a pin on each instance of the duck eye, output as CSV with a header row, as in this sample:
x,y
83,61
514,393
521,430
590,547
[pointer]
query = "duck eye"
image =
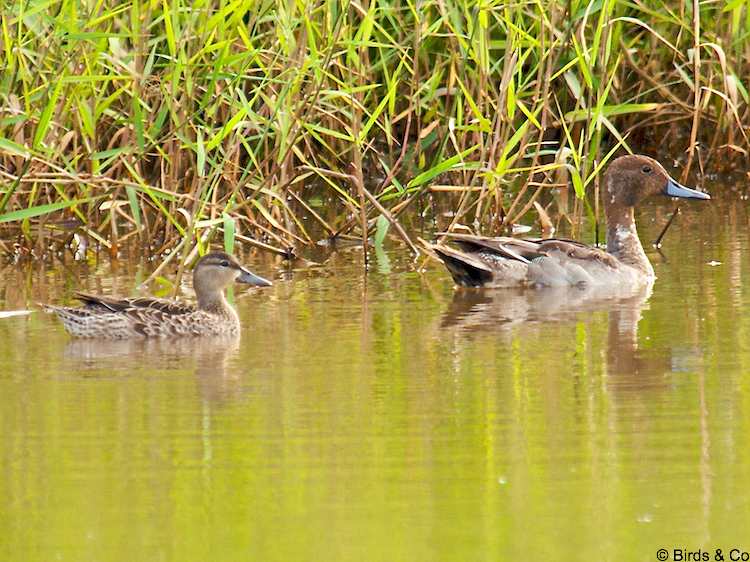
x,y
646,169
225,263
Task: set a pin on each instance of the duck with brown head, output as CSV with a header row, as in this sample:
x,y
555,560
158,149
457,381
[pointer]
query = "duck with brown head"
x,y
630,180
510,262
140,317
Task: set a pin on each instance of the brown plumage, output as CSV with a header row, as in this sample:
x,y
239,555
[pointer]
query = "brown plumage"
x,y
479,261
141,317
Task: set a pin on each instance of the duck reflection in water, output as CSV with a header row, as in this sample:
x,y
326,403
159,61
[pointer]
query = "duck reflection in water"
x,y
513,311
213,362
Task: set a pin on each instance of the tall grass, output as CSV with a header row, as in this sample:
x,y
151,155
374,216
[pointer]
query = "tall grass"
x,y
276,124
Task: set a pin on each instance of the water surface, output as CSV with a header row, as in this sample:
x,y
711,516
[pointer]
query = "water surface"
x,y
389,417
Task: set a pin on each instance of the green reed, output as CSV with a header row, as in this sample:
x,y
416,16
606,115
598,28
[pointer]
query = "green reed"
x,y
274,124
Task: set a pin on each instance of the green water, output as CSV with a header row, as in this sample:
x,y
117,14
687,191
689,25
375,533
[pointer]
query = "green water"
x,y
389,417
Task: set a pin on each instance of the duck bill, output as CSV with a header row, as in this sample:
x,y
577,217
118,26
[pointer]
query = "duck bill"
x,y
674,189
247,276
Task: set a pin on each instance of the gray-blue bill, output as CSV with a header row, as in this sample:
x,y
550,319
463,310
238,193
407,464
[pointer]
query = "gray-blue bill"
x,y
247,276
675,189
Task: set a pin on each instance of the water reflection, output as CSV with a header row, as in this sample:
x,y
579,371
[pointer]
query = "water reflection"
x,y
474,309
482,311
388,416
624,356
210,359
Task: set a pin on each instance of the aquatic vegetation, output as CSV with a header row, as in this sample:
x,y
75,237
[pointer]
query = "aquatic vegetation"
x,y
276,125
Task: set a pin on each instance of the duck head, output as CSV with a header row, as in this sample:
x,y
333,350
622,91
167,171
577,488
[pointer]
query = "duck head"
x,y
630,180
633,178
216,271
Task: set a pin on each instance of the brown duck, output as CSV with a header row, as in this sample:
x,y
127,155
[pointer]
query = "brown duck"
x,y
144,317
511,262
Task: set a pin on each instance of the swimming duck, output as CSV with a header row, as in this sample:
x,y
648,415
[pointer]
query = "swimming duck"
x,y
511,262
145,317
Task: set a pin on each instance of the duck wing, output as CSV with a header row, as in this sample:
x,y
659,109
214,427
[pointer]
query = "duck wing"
x,y
530,249
504,246
577,251
103,305
568,263
507,262
482,262
152,322
98,321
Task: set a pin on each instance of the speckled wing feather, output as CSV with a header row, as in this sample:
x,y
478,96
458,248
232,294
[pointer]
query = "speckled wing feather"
x,y
150,322
140,317
101,304
141,322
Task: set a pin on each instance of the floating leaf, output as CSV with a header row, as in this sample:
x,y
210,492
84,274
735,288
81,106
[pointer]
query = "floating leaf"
x,y
11,313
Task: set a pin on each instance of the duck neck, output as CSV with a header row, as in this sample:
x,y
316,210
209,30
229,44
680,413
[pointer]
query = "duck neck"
x,y
623,241
215,303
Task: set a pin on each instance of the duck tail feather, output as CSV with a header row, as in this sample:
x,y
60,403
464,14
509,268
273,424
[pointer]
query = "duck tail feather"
x,y
466,270
101,304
